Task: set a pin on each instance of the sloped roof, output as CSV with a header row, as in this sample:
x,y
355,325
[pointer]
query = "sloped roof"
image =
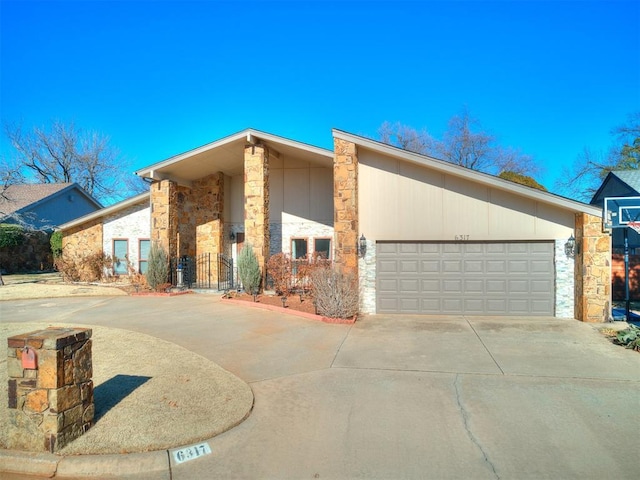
x,y
469,174
17,197
103,212
630,177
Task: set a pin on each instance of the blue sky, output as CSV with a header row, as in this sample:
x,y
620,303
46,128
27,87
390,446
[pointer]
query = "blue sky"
x,y
162,77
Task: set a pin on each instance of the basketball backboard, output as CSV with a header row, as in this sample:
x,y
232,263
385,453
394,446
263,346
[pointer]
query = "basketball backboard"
x,y
619,212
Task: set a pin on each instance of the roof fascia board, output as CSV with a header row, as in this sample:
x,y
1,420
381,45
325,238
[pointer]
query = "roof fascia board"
x,y
154,175
466,173
106,211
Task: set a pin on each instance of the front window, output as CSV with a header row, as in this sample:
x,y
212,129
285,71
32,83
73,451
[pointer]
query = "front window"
x,y
120,257
143,258
322,248
299,248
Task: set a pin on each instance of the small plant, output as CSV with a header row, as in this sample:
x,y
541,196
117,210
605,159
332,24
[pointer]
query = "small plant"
x,y
158,267
249,270
335,294
56,244
629,338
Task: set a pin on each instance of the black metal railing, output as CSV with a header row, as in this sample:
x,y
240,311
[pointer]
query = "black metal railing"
x,y
191,272
225,272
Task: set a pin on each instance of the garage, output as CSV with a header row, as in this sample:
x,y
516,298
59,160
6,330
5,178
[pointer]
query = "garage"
x,y
472,278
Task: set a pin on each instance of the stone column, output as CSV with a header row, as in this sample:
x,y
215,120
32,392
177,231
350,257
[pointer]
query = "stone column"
x,y
256,202
592,270
208,195
163,216
345,202
51,399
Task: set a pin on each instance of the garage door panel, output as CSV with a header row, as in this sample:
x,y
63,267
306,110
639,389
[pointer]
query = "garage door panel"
x,y
482,278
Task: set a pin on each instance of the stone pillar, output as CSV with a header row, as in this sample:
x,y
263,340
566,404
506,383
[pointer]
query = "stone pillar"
x,y
208,195
50,402
163,216
592,270
256,202
345,202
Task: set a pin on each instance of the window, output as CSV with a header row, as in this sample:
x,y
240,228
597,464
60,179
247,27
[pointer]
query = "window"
x,y
322,247
298,248
143,256
120,257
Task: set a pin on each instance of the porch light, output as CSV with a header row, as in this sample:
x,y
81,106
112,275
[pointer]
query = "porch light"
x,y
232,236
362,246
570,247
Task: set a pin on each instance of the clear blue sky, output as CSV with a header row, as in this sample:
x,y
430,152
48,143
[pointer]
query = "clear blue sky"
x,y
162,77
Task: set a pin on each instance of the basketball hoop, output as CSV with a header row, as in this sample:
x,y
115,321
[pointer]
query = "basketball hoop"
x,y
634,225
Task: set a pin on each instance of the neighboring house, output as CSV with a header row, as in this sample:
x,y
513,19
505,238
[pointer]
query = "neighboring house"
x,y
622,183
43,206
121,231
440,238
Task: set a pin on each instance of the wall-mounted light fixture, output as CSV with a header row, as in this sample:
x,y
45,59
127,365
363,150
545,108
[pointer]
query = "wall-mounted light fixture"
x,y
570,248
362,246
232,236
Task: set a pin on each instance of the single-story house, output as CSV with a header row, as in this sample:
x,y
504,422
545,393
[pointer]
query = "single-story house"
x,y
43,206
438,238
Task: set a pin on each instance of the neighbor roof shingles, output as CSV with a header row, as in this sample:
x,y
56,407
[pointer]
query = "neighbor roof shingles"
x,y
17,197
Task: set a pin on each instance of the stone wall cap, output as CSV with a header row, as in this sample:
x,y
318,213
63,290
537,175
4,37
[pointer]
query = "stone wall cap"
x,y
51,338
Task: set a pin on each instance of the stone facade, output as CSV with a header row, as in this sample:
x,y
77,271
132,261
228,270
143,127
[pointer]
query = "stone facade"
x,y
32,255
565,282
81,242
592,270
345,202
256,201
50,401
164,197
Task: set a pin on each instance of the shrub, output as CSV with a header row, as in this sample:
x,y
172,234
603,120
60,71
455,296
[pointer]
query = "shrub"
x,y
249,270
11,235
336,294
158,267
629,337
279,269
88,268
56,244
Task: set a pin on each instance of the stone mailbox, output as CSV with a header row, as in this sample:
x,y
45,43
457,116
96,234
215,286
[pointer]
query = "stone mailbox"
x,y
50,388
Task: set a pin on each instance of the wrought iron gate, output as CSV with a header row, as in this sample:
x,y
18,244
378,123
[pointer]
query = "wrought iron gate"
x,y
191,272
225,272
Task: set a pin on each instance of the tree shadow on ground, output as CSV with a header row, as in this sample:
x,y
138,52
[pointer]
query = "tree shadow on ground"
x,y
108,394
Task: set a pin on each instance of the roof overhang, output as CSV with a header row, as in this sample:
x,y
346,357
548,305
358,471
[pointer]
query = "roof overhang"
x,y
116,207
227,156
468,174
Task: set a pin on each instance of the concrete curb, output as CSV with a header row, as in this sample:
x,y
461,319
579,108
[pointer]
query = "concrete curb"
x,y
290,311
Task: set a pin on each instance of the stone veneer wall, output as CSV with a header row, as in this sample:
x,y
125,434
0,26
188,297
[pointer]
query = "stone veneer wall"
x,y
367,268
80,242
163,216
208,196
256,201
593,270
345,202
565,283
51,404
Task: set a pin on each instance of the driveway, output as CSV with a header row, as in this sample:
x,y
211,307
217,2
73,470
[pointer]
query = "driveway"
x,y
395,397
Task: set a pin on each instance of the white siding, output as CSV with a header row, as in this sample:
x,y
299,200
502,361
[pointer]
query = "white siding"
x,y
132,224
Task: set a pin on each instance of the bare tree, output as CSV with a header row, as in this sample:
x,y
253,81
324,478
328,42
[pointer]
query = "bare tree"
x,y
582,179
65,154
465,143
407,138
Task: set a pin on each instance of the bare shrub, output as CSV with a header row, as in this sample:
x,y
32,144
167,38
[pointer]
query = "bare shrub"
x,y
87,268
279,268
336,294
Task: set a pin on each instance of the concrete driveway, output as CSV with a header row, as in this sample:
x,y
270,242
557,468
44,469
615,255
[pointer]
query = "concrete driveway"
x,y
395,397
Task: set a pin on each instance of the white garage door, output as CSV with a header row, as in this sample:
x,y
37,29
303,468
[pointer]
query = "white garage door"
x,y
506,278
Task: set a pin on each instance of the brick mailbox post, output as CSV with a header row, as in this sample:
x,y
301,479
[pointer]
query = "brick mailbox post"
x,y
50,388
